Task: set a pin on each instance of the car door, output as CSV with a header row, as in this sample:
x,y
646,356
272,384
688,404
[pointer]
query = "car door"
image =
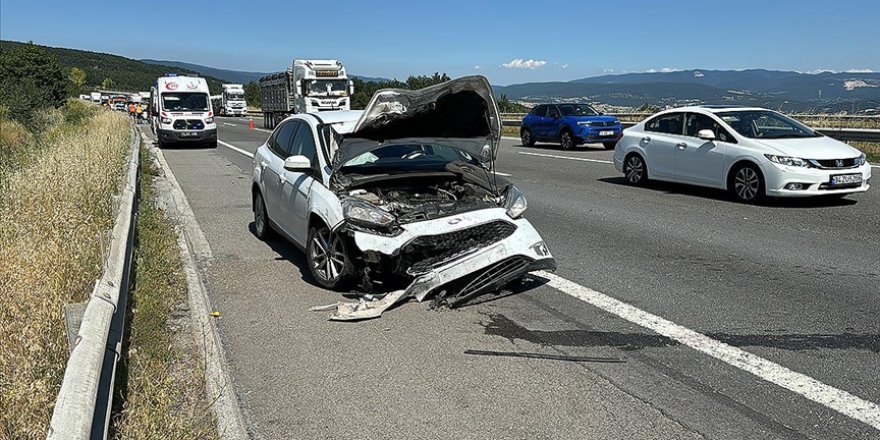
x,y
272,171
296,185
536,121
699,161
552,123
661,136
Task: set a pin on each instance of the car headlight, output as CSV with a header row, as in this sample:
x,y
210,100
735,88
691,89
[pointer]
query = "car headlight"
x,y
861,160
585,123
315,102
790,161
166,120
364,213
209,120
515,202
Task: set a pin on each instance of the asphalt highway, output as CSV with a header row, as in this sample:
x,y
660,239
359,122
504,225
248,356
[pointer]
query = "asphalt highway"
x,y
675,313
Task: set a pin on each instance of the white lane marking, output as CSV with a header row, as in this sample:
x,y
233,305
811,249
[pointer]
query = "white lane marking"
x,y
231,125
566,157
234,148
833,398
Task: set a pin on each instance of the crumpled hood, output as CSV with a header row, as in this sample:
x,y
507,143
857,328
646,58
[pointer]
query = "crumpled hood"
x,y
460,113
819,148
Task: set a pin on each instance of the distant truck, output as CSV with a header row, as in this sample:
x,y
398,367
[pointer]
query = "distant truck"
x,y
180,110
308,86
232,102
96,97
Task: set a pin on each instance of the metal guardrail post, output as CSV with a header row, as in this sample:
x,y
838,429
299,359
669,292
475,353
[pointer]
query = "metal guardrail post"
x,y
82,408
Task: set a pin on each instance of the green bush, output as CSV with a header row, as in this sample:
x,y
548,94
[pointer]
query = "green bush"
x,y
31,80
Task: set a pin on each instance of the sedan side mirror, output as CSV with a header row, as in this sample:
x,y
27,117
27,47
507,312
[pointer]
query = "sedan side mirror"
x,y
706,135
300,164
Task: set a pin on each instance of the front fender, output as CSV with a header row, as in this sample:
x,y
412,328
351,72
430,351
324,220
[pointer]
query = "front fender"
x,y
325,204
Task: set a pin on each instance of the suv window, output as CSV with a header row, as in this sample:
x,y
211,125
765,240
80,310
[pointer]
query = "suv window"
x,y
694,122
540,110
280,140
304,144
552,111
669,123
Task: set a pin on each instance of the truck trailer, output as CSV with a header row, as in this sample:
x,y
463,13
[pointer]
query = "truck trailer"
x,y
308,86
180,110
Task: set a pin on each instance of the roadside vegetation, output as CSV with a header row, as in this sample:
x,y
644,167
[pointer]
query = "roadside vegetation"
x,y
164,396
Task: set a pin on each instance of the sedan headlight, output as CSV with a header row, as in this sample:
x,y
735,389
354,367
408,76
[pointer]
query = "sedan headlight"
x,y
166,120
209,120
861,160
515,202
364,213
789,161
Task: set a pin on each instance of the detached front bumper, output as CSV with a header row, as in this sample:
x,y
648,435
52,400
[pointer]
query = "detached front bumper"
x,y
812,181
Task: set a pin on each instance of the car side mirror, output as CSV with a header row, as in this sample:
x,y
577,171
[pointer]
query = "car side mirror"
x,y
601,113
298,163
706,135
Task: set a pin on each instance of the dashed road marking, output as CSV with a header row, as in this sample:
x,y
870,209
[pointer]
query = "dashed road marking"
x,y
806,386
565,157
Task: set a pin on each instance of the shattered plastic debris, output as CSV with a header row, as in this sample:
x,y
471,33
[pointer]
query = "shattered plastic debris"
x,y
363,309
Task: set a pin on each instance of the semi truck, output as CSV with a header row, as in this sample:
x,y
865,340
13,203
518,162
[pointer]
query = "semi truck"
x,y
232,102
96,97
308,86
180,110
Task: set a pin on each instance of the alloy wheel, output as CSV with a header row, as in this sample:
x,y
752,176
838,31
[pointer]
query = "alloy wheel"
x,y
746,183
566,140
526,138
328,255
635,169
259,215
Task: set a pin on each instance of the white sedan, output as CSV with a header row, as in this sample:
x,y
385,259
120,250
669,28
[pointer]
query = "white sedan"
x,y
400,196
751,152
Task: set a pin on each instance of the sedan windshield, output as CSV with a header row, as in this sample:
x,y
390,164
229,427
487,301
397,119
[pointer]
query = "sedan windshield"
x,y
176,102
765,124
577,110
324,87
406,157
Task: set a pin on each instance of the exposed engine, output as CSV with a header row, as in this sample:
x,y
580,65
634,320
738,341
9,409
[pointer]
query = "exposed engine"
x,y
424,198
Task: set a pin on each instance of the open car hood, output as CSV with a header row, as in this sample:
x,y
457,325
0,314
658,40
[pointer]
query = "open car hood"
x,y
460,113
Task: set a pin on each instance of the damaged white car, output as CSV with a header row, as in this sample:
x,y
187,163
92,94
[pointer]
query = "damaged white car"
x,y
400,200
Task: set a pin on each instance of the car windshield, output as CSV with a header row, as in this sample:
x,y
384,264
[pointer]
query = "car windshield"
x,y
577,110
324,87
175,102
235,96
406,157
765,124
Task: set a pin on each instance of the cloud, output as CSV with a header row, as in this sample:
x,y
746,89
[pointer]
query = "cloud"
x,y
607,70
564,66
859,71
519,63
664,70
477,67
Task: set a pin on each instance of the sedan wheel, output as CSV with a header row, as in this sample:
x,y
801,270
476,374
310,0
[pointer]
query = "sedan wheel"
x,y
261,218
566,141
327,258
526,138
747,184
635,170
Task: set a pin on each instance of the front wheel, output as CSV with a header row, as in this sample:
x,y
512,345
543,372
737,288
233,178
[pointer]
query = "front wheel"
x,y
747,184
566,140
635,170
525,135
262,229
609,145
327,258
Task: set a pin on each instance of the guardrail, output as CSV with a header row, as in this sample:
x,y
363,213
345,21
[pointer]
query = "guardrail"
x,y
82,409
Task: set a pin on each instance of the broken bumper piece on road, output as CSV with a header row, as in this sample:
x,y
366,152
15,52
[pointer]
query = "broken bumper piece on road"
x,y
453,281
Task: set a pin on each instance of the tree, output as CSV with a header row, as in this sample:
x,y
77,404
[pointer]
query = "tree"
x,y
78,77
252,94
364,90
107,83
30,80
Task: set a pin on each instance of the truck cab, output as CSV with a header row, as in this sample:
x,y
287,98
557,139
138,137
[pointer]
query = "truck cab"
x,y
232,102
181,111
322,85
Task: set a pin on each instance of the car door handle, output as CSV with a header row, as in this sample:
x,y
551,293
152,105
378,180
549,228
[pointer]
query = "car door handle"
x,y
681,146
282,179
646,139
264,164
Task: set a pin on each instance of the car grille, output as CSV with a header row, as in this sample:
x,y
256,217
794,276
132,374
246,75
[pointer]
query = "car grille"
x,y
489,279
603,124
835,164
424,253
188,124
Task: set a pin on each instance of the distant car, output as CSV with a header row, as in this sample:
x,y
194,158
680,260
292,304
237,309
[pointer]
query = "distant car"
x,y
119,106
570,125
751,152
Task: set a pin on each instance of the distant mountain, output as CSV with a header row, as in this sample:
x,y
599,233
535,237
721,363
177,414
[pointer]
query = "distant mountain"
x,y
233,76
827,91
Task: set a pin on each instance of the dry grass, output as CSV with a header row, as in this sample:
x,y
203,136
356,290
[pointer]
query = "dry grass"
x,y
55,209
165,391
871,149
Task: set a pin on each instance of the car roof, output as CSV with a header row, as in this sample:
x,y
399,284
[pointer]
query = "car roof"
x,y
715,108
343,121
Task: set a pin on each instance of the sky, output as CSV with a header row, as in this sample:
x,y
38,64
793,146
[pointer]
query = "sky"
x,y
508,41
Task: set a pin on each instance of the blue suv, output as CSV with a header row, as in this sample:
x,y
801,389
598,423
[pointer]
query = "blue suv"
x,y
570,125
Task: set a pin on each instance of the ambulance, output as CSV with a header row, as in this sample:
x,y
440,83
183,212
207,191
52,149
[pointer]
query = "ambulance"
x,y
180,107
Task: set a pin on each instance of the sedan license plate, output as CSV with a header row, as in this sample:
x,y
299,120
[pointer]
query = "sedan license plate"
x,y
189,134
606,133
846,179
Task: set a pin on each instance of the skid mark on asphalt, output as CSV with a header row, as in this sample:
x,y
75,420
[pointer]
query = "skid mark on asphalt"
x,y
833,398
554,156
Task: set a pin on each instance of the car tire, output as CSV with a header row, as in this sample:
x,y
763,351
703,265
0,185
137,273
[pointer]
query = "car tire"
x,y
525,135
212,144
635,170
327,258
566,140
609,145
262,224
746,184
160,143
